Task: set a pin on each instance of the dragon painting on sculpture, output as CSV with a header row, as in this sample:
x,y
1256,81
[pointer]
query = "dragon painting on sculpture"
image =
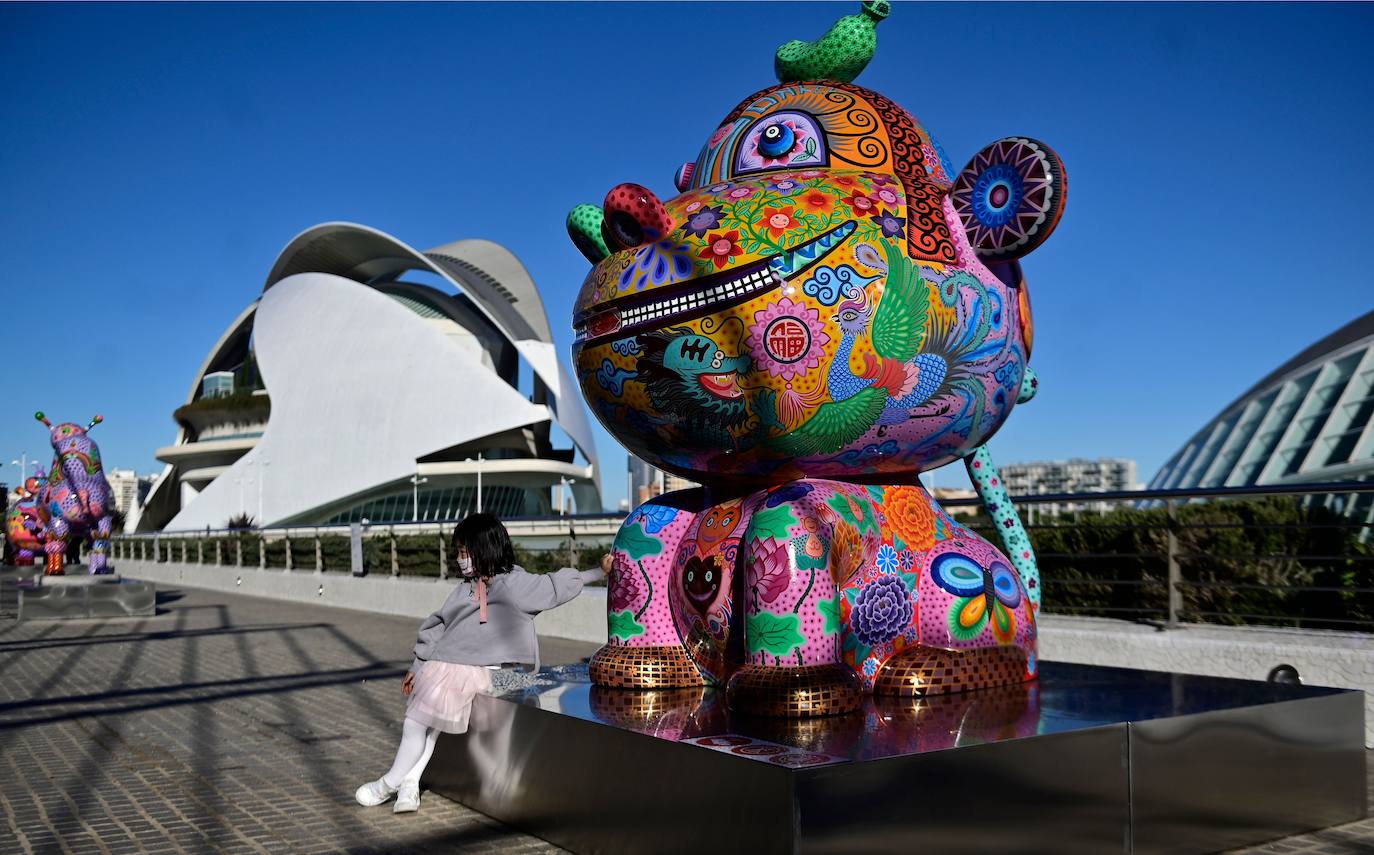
x,y
76,501
825,311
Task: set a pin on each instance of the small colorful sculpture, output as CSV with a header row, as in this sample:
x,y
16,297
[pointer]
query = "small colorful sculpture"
x,y
825,311
76,501
24,522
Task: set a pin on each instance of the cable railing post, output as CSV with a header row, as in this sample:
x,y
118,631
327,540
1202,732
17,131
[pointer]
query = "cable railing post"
x,y
200,550
443,555
395,565
1175,577
262,550
287,541
319,553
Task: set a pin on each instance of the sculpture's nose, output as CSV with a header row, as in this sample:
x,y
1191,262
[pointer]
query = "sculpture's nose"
x,y
634,217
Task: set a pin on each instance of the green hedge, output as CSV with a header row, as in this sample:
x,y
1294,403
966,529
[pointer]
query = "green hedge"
x,y
1221,545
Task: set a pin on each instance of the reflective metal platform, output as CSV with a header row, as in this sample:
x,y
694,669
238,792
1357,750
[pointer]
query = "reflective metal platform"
x,y
1087,759
75,594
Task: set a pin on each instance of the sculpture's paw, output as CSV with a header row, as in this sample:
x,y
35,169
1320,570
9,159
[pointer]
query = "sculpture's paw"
x,y
644,667
921,671
797,691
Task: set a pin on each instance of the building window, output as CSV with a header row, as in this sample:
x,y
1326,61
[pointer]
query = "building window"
x,y
218,384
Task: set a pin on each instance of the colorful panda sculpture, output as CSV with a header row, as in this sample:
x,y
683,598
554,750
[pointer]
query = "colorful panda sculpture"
x,y
824,312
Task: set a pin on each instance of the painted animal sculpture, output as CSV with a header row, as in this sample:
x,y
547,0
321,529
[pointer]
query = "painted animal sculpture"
x,y
24,521
825,311
77,501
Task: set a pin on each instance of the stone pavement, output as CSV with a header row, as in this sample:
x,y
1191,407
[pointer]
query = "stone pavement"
x,y
225,723
235,724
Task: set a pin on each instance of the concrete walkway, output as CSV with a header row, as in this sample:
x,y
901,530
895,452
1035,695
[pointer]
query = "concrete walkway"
x,y
230,723
226,723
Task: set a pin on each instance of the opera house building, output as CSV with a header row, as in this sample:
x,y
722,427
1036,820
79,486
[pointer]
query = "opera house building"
x,y
373,381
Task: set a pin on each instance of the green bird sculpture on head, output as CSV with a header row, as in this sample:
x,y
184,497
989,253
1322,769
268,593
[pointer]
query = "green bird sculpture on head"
x,y
841,54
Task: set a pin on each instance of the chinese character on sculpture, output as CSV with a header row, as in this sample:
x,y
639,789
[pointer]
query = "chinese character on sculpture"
x,y
75,502
825,311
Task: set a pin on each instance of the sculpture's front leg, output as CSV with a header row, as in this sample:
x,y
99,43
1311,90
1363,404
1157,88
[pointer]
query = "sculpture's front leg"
x,y
100,546
55,545
644,649
795,548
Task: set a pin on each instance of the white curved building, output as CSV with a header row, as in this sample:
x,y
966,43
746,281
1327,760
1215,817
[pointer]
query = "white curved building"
x,y
344,381
1309,420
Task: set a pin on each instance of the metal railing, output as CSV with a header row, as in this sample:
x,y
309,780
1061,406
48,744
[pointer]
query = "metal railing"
x,y
1163,556
394,548
1180,580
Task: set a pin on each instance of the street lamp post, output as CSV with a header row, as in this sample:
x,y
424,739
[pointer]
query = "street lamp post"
x,y
415,482
23,464
479,483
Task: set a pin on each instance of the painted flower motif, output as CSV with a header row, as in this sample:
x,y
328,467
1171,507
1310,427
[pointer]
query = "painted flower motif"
x,y
891,224
694,206
880,179
721,248
741,193
780,220
882,611
784,185
910,516
787,339
624,583
703,220
870,666
907,558
716,188
845,180
770,568
887,560
815,201
887,196
810,173
718,136
860,203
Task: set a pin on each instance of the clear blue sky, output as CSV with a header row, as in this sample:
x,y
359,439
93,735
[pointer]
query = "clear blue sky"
x,y
154,160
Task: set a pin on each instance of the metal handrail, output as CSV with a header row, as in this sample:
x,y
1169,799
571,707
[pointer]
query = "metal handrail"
x,y
1170,560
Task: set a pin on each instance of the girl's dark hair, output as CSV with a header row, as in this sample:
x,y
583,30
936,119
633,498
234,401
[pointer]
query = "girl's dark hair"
x,y
487,542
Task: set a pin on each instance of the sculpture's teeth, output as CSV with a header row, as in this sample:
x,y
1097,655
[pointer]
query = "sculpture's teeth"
x,y
779,268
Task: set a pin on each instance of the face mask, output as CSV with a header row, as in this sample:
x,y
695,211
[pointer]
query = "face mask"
x,y
465,566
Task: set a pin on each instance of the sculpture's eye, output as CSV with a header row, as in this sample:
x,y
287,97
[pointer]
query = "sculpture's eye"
x,y
708,576
691,576
849,315
781,140
777,140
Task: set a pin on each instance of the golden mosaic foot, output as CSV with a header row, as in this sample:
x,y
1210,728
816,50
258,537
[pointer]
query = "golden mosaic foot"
x,y
801,691
920,671
644,667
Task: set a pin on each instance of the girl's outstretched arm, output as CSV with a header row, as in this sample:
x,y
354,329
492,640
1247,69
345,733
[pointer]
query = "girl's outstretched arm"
x,y
537,593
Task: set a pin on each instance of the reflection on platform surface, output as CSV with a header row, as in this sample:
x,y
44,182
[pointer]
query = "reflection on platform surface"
x,y
1065,698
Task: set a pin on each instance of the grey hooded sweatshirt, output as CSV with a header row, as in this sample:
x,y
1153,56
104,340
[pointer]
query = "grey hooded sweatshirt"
x,y
454,634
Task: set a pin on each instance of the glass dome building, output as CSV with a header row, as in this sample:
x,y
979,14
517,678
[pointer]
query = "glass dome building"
x,y
1309,420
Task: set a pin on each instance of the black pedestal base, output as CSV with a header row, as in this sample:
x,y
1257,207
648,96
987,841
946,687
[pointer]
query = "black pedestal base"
x,y
1086,759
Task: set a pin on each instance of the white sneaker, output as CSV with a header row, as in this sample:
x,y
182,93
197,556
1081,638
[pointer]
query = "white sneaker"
x,y
374,793
407,798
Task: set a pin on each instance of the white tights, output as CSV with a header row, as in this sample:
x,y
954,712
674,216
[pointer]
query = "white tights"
x,y
417,743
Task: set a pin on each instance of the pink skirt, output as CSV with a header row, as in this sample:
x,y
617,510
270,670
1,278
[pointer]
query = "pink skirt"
x,y
443,692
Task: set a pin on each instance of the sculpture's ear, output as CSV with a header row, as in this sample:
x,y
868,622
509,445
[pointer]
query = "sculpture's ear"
x,y
1010,197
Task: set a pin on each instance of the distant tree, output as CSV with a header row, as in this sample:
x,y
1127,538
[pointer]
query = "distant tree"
x,y
242,522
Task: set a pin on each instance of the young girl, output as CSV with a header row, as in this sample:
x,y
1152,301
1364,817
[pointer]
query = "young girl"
x,y
487,620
